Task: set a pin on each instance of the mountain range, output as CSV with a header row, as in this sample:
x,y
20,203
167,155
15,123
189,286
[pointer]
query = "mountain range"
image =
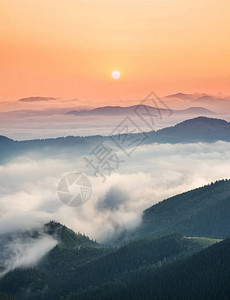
x,y
201,129
131,110
218,103
155,262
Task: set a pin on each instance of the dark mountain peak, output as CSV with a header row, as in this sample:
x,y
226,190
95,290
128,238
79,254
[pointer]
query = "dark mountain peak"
x,y
199,129
4,139
66,236
203,121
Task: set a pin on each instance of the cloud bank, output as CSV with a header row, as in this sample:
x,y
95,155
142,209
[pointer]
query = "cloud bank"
x,y
28,193
153,173
37,99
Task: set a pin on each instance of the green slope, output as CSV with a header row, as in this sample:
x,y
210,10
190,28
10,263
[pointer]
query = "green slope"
x,y
203,212
69,270
202,276
67,237
79,268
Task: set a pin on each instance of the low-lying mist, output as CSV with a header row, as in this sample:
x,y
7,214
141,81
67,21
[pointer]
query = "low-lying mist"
x,y
153,173
19,251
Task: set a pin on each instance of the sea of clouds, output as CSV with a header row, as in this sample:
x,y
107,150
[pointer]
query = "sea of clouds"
x,y
28,191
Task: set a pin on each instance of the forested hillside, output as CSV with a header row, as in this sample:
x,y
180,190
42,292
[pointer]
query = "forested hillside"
x,y
201,212
165,258
202,276
71,268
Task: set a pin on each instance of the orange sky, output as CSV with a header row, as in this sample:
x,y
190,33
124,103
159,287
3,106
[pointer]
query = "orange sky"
x,y
69,48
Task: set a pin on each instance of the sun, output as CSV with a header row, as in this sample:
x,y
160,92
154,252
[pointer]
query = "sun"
x,y
116,75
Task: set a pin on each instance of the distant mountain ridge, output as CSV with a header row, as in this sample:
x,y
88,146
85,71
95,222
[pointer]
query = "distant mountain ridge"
x,y
186,96
203,129
196,110
196,97
195,130
206,99
217,103
200,129
119,110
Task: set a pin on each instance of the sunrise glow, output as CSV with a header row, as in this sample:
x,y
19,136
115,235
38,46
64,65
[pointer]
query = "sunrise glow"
x,y
61,49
